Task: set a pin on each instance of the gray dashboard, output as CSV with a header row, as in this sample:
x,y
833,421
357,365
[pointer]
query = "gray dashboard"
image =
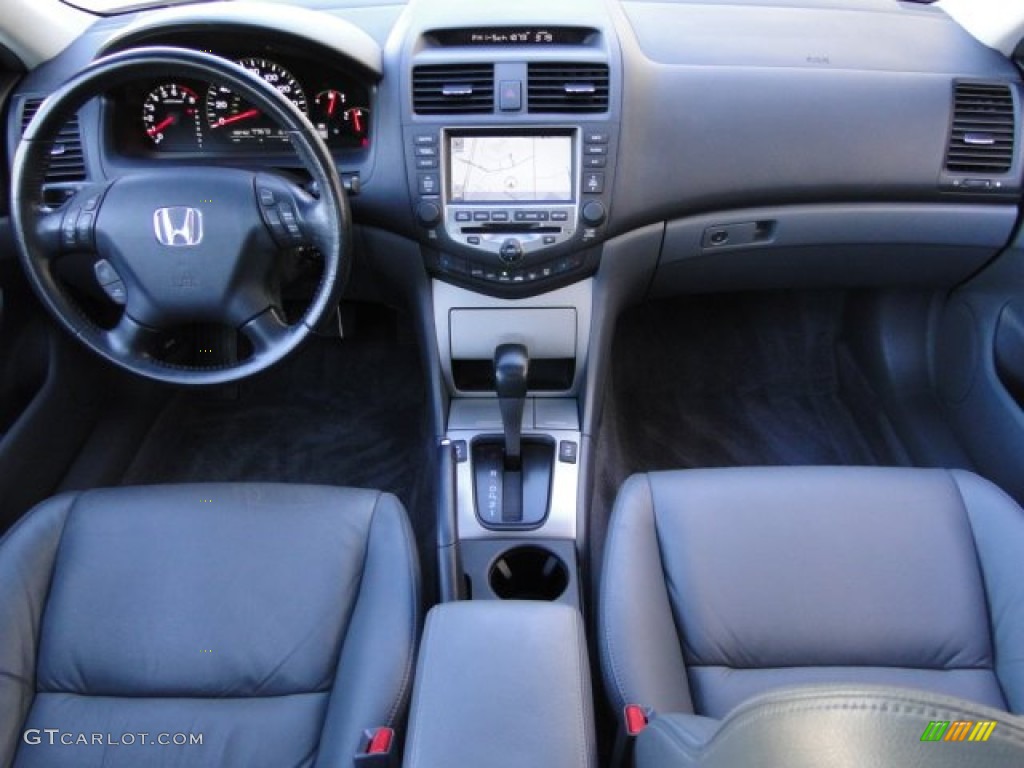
x,y
716,115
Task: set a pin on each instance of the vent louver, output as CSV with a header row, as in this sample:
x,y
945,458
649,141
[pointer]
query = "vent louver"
x,y
66,160
982,137
574,88
453,89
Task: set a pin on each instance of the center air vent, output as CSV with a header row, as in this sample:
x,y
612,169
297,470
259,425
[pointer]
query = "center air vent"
x,y
575,88
982,137
453,89
66,161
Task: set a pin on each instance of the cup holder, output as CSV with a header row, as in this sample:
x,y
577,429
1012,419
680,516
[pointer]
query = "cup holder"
x,y
528,573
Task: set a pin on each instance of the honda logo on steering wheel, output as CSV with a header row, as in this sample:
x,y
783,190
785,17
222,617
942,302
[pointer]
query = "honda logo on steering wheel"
x,y
178,226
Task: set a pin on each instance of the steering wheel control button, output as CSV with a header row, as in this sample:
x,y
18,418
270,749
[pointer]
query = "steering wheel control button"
x,y
69,229
85,221
110,281
105,272
267,197
511,251
116,292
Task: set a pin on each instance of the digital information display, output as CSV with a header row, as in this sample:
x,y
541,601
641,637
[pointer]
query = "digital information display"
x,y
500,169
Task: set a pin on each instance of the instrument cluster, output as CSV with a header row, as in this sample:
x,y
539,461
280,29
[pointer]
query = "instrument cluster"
x,y
185,116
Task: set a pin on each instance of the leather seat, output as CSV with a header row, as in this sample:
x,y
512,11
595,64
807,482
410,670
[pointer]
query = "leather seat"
x,y
720,585
275,621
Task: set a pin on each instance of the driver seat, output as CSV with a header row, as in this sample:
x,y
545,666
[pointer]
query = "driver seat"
x,y
276,622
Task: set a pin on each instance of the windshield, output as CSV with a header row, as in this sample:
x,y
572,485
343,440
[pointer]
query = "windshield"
x,y
114,7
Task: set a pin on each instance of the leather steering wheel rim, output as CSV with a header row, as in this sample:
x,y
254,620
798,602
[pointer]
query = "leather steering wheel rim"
x,y
329,222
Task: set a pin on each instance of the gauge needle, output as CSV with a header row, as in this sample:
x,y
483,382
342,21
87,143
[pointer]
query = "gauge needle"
x,y
357,120
238,118
332,101
166,122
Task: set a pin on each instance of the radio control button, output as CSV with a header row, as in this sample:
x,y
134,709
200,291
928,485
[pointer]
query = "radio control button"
x,y
511,251
473,240
499,215
429,184
559,215
550,239
426,163
593,183
595,137
424,139
481,216
595,149
463,216
595,162
426,151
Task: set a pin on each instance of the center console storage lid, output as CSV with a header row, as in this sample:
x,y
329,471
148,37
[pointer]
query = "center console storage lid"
x,y
502,685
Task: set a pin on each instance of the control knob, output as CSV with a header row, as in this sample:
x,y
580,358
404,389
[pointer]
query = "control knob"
x,y
428,214
593,213
511,251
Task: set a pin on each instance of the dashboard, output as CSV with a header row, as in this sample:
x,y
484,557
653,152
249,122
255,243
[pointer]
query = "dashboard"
x,y
510,145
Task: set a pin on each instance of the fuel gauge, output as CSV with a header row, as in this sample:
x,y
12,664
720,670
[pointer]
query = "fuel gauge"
x,y
338,122
357,123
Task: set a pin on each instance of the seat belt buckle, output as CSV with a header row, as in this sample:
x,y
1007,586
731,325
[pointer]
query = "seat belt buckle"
x,y
378,750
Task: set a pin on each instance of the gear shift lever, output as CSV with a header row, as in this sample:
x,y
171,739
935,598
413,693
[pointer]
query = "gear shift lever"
x,y
511,367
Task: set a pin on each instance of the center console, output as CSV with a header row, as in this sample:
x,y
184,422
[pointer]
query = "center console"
x,y
510,137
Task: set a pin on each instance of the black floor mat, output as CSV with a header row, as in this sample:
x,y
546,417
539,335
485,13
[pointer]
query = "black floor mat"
x,y
744,380
338,413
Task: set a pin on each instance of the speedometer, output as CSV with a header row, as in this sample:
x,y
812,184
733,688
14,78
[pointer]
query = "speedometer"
x,y
239,121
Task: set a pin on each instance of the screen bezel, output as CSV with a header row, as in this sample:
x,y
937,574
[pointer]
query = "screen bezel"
x,y
529,133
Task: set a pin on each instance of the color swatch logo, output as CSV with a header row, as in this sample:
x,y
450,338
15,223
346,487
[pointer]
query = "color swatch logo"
x,y
958,730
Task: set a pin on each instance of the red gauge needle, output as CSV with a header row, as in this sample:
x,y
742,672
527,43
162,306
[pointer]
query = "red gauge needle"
x,y
166,122
249,113
332,101
357,120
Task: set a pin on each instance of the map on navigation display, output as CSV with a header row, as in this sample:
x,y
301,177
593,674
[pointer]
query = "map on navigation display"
x,y
510,168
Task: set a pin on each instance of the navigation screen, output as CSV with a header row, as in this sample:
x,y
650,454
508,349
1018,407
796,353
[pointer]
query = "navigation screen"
x,y
492,169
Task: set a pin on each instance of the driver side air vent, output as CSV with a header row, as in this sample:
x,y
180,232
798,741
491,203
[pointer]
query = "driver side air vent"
x,y
66,160
453,89
560,87
982,138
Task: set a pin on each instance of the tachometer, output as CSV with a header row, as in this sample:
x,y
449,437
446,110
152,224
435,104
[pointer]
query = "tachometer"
x,y
231,116
170,117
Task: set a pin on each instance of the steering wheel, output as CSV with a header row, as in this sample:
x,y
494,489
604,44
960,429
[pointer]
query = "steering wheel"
x,y
181,245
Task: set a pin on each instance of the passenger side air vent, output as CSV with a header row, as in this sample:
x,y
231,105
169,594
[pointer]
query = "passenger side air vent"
x,y
453,89
66,160
575,88
982,137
